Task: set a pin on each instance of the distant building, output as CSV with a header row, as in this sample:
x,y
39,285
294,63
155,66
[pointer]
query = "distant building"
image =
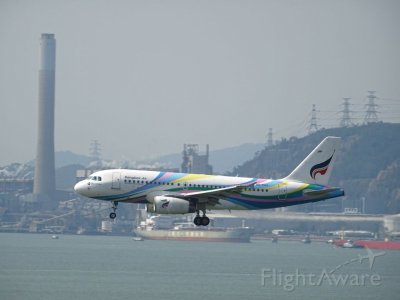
x,y
193,162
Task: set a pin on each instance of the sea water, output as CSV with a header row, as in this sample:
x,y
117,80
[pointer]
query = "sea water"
x,y
35,266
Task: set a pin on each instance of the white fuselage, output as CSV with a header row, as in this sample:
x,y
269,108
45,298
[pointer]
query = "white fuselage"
x,y
139,186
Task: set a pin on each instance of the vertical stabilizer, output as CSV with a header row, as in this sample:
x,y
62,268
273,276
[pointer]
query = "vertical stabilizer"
x,y
317,166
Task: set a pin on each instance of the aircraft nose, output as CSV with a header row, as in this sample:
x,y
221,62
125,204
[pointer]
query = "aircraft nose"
x,y
80,187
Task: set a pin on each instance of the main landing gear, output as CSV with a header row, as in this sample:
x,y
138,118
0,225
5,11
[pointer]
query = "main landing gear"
x,y
201,221
113,215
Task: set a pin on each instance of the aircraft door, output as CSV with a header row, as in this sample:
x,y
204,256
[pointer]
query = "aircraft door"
x,y
116,181
282,191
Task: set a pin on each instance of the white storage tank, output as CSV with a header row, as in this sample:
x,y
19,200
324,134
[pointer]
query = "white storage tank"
x,y
392,223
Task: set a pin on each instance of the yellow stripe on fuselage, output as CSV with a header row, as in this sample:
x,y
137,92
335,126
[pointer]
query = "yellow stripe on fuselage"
x,y
190,177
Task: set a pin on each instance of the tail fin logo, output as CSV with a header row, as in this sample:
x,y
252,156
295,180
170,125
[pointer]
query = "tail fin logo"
x,y
321,168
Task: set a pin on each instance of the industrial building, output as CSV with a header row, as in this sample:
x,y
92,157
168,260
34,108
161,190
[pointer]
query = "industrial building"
x,y
194,162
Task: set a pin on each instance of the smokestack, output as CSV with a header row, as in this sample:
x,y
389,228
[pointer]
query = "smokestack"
x,y
44,183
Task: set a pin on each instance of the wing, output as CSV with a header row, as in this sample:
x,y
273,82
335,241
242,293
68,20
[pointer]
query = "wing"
x,y
209,196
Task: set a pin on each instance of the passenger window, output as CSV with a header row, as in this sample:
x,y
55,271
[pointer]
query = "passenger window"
x,y
99,178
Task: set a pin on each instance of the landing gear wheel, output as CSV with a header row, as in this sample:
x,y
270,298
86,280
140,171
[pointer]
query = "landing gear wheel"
x,y
197,221
205,221
114,208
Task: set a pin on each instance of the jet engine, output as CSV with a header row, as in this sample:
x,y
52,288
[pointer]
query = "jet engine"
x,y
170,205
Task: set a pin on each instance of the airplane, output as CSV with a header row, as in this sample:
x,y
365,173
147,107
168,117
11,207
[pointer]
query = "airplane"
x,y
182,193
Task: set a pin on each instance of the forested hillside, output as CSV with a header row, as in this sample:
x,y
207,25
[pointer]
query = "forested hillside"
x,y
367,167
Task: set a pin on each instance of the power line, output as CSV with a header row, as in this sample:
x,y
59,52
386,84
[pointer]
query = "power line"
x,y
351,114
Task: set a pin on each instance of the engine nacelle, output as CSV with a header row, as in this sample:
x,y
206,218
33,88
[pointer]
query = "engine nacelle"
x,y
170,205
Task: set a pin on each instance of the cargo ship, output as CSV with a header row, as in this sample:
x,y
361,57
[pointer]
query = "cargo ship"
x,y
158,227
371,244
365,239
186,232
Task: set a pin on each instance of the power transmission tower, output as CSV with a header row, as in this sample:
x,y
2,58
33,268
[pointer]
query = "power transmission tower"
x,y
270,141
95,150
371,114
346,118
313,121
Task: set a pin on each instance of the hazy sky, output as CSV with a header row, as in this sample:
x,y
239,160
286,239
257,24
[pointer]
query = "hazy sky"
x,y
144,77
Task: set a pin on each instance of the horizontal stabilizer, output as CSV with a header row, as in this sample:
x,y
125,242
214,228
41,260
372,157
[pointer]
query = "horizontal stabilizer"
x,y
320,192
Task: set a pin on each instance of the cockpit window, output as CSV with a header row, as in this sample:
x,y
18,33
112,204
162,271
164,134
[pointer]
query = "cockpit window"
x,y
94,178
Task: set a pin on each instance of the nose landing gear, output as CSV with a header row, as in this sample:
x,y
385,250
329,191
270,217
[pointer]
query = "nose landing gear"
x,y
113,215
